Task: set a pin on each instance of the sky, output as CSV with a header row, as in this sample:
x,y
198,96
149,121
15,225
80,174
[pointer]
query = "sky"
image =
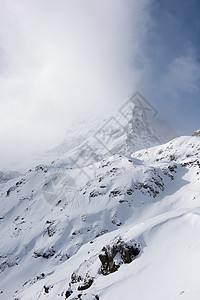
x,y
60,60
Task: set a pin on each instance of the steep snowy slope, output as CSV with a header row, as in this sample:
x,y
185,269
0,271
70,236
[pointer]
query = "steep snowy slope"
x,y
126,226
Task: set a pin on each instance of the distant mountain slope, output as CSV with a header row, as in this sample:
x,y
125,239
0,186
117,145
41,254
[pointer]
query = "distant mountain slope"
x,y
109,230
133,127
8,175
128,128
197,132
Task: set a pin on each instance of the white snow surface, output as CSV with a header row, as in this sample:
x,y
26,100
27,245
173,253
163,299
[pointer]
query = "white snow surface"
x,y
56,219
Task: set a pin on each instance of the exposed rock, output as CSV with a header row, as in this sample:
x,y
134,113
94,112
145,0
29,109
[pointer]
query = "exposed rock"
x,y
79,283
115,193
11,189
50,228
112,257
41,168
86,285
46,289
68,293
129,191
101,232
46,254
196,133
94,194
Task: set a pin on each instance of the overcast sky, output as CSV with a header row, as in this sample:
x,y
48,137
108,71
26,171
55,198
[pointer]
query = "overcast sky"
x,y
60,59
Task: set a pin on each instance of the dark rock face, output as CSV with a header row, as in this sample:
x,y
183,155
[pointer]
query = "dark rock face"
x,y
68,293
79,283
112,257
196,133
46,254
86,285
46,289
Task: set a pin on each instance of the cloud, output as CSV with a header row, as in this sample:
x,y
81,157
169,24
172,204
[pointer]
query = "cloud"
x,y
60,58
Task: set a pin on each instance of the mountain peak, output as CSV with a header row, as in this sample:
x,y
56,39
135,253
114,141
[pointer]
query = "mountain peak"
x,y
134,126
196,133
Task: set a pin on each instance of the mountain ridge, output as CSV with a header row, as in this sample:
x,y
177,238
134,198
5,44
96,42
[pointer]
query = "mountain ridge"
x,y
133,127
141,200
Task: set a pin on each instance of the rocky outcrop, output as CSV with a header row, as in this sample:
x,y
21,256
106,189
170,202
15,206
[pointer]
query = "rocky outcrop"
x,y
112,257
196,133
45,254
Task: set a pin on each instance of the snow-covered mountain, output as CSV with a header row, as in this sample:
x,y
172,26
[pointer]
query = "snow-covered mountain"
x,y
128,128
65,233
131,127
123,223
8,175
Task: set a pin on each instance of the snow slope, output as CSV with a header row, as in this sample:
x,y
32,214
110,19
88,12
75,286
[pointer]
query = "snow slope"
x,y
57,219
